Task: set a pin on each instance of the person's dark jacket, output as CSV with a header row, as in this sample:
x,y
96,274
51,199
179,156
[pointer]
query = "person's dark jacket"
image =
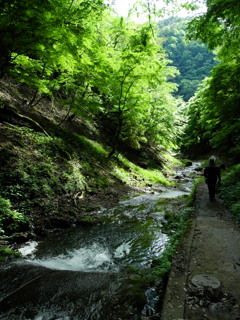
x,y
212,173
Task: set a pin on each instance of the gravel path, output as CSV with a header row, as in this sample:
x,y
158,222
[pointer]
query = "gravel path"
x,y
204,282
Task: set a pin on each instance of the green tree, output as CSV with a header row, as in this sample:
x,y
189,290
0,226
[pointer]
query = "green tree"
x,y
219,27
136,83
220,99
41,41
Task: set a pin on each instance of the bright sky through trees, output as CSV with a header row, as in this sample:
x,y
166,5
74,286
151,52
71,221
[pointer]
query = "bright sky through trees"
x,y
123,6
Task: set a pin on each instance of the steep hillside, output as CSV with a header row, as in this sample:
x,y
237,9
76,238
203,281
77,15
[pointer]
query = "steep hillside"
x,y
55,170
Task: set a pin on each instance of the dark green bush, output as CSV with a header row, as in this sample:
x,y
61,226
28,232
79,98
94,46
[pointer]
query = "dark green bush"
x,y
230,190
10,220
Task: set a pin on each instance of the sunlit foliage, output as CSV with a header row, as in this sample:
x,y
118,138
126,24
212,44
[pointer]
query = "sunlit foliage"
x,y
214,113
97,64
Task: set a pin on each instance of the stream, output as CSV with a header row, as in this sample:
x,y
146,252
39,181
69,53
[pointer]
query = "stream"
x,y
87,271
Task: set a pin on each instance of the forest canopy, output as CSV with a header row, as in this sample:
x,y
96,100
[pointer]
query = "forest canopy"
x,y
214,111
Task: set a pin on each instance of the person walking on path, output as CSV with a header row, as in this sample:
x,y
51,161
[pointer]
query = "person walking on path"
x,y
213,175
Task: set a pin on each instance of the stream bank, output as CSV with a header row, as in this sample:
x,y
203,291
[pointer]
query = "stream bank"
x,y
99,271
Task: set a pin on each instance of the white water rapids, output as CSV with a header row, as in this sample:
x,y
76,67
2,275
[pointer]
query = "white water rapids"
x,y
92,258
99,257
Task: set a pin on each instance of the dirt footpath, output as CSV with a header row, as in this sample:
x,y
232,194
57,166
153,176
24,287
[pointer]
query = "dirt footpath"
x,y
204,282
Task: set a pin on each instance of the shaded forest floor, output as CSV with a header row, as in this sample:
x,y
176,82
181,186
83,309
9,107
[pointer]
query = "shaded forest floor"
x,y
204,280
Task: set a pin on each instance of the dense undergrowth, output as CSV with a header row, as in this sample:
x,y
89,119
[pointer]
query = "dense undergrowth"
x,y
230,190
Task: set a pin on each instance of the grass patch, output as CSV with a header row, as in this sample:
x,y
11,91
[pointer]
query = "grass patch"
x,y
7,252
192,196
92,147
172,160
132,174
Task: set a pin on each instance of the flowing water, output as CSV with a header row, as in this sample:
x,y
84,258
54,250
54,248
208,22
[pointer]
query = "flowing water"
x,y
103,247
81,273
